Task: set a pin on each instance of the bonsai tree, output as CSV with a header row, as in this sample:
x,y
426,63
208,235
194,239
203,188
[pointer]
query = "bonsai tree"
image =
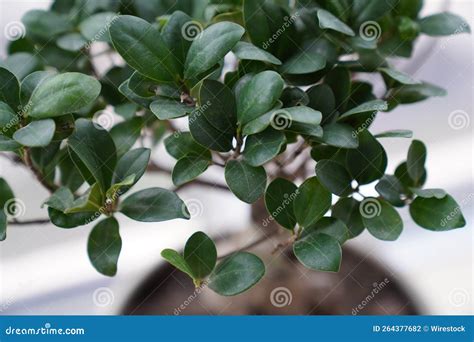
x,y
286,116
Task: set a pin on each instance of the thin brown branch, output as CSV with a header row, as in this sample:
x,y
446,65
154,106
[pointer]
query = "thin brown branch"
x,y
252,244
29,222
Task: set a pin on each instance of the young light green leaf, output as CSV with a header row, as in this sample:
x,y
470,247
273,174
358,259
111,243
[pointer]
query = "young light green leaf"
x,y
319,252
154,205
236,274
246,182
312,202
104,246
36,134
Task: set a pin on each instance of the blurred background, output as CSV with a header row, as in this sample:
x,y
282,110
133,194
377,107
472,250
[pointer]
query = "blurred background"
x,y
46,270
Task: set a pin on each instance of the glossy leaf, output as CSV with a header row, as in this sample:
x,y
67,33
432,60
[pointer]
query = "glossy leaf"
x,y
330,226
319,252
189,168
200,255
10,89
181,144
166,109
312,202
334,177
437,214
371,106
383,221
329,21
104,246
37,133
416,161
248,183
263,147
444,24
134,162
348,211
247,51
279,198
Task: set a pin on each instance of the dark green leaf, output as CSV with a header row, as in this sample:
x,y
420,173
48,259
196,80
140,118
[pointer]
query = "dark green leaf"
x,y
368,162
348,211
263,147
6,203
334,177
312,202
402,174
175,34
189,168
371,106
248,183
330,226
415,92
10,89
63,94
247,51
329,21
200,255
96,27
340,135
319,252
7,144
143,48
177,260
166,109
416,161
125,134
30,83
381,219
104,246
134,162
437,214
321,98
430,193
303,63
398,76
391,190
96,150
43,25
181,144
279,198
236,274
154,205
210,47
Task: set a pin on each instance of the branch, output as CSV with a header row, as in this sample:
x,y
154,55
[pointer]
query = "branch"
x,y
30,222
252,244
39,176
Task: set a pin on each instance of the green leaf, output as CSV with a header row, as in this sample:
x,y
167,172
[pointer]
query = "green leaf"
x,y
36,134
258,96
430,193
7,144
437,214
67,221
3,226
381,219
368,162
63,94
246,182
398,76
279,198
177,260
104,246
321,97
96,27
71,42
263,147
396,133
200,255
415,92
154,205
444,24
371,106
126,133
210,47
189,168
402,174
416,161
312,202
30,83
329,21
262,122
248,51
6,197
43,25
236,274
143,48
174,34
213,123
166,109
10,89
330,226
22,64
180,144
372,10
303,63
340,135
96,150
91,201
348,211
390,188
134,162
334,177
319,252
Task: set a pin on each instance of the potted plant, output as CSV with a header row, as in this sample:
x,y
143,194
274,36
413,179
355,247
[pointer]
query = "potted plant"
x,y
288,121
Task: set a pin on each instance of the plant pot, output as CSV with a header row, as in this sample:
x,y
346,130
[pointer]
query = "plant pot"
x,y
361,287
